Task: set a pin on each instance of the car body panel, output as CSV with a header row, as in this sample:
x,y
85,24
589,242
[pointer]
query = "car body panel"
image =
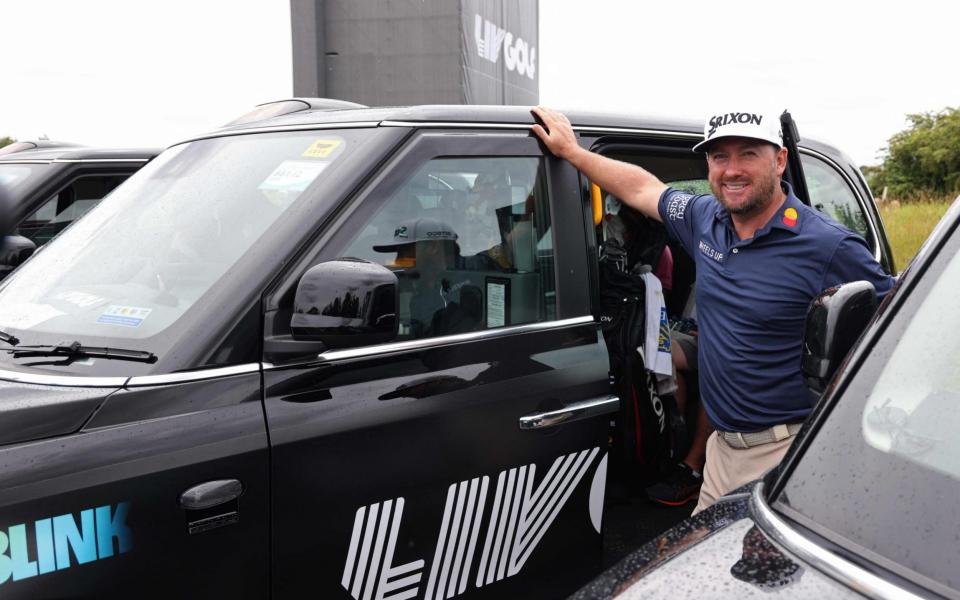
x,y
720,553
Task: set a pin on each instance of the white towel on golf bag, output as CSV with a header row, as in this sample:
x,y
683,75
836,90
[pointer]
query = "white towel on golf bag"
x,y
656,343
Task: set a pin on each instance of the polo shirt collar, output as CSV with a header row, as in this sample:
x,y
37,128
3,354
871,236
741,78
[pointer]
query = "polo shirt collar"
x,y
787,216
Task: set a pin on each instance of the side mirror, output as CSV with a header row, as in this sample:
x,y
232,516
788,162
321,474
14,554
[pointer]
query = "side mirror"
x,y
14,250
835,320
346,303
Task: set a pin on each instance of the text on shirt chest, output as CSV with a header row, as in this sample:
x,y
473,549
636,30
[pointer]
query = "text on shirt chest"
x,y
710,252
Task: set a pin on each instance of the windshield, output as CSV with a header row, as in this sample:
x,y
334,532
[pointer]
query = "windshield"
x,y
136,264
883,473
17,176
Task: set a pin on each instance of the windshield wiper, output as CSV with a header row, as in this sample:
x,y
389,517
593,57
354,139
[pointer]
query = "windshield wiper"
x,y
10,339
74,349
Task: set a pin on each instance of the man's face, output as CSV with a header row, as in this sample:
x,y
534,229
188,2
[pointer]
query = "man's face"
x,y
744,174
433,256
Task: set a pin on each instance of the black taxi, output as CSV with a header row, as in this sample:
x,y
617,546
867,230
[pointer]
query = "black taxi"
x,y
233,378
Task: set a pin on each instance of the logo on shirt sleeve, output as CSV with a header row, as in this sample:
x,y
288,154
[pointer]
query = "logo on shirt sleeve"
x,y
677,206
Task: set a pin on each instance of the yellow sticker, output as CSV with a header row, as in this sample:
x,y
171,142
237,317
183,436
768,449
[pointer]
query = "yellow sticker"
x,y
790,213
322,148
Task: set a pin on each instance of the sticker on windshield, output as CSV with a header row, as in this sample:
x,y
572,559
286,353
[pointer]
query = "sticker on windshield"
x,y
126,316
323,148
292,176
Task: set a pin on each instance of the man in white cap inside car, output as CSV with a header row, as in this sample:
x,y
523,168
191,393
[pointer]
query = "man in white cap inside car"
x,y
761,256
446,300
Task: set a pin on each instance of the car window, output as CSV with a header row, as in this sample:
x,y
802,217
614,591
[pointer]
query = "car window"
x,y
883,472
470,242
66,206
830,194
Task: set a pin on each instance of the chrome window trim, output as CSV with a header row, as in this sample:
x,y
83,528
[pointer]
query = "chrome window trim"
x,y
455,124
128,382
62,380
580,128
280,128
25,162
100,160
460,338
647,132
856,192
832,565
189,376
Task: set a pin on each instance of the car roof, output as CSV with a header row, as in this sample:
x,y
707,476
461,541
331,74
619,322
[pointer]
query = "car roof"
x,y
465,114
78,153
324,111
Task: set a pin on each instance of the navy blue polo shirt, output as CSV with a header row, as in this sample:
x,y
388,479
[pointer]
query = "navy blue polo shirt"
x,y
752,297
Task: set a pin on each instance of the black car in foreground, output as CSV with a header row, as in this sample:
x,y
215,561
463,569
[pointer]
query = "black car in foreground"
x,y
865,501
50,185
230,379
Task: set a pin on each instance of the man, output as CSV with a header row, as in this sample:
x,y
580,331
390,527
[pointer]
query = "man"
x,y
446,297
761,257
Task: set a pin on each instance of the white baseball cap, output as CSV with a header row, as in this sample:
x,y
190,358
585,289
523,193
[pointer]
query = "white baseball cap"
x,y
418,230
759,126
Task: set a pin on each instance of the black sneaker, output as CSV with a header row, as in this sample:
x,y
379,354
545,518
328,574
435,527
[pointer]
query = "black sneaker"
x,y
680,486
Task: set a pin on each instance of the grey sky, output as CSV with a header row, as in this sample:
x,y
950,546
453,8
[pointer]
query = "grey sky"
x,y
105,72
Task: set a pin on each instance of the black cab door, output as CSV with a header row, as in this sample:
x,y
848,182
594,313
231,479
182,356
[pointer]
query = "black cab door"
x,y
468,456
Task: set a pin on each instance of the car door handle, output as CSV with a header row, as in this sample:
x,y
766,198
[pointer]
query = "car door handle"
x,y
210,494
584,409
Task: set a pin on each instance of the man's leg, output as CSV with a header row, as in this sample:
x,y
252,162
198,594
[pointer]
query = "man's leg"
x,y
728,468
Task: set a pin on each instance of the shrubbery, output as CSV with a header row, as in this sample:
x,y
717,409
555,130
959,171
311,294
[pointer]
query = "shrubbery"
x,y
923,159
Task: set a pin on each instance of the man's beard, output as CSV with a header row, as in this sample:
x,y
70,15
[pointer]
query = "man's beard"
x,y
762,196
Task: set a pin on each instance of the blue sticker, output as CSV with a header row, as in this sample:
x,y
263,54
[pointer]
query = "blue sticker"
x,y
126,316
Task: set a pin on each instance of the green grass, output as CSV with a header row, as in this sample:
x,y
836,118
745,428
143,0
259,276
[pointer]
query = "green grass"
x,y
909,223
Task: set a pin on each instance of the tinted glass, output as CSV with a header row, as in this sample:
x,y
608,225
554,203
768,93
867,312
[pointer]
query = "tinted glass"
x,y
884,471
470,241
830,194
150,251
66,206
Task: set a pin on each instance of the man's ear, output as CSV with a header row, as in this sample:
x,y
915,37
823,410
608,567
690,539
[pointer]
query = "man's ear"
x,y
781,161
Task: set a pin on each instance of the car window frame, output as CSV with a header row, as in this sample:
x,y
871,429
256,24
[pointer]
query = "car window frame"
x,y
421,146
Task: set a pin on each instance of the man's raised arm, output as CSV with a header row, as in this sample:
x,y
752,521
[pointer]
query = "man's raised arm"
x,y
637,187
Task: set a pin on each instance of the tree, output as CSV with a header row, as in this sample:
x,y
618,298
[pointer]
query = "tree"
x,y
925,157
6,141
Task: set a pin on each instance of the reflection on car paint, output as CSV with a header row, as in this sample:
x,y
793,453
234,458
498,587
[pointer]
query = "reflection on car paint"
x,y
56,538
518,520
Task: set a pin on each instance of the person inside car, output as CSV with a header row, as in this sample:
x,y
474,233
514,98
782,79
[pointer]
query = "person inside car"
x,y
446,296
761,256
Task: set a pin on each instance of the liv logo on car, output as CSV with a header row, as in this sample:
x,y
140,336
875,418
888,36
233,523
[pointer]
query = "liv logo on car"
x,y
93,534
520,515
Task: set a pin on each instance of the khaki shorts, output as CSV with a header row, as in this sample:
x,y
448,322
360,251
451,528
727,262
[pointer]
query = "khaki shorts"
x,y
728,468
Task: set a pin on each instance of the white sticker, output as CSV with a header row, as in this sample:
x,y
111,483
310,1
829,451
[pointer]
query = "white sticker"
x,y
126,316
25,316
496,304
292,176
